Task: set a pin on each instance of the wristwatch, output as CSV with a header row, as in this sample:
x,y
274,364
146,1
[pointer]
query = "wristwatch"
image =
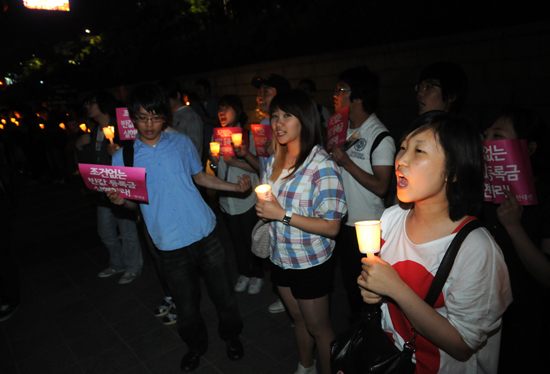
x,y
212,166
286,218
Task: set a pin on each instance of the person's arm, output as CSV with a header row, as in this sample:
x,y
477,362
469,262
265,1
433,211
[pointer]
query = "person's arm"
x,y
115,199
251,159
215,183
380,277
377,183
535,261
272,210
233,161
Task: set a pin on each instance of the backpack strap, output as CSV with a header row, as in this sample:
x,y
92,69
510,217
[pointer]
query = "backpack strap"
x,y
448,261
377,142
128,154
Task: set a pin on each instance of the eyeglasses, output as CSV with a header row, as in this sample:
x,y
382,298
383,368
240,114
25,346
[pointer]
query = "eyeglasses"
x,y
425,86
337,90
145,119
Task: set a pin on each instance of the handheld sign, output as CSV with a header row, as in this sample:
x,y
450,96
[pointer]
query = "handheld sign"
x,y
222,135
126,128
337,128
261,134
129,180
507,166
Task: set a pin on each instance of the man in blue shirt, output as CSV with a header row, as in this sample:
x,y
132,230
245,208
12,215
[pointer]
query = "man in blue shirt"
x,y
181,224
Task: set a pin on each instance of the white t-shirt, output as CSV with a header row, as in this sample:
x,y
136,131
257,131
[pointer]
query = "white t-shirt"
x,y
475,295
363,204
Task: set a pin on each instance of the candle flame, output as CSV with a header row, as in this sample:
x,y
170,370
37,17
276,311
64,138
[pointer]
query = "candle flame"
x,y
41,126
62,125
83,127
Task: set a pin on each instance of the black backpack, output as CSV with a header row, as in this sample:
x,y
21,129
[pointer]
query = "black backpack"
x,y
392,189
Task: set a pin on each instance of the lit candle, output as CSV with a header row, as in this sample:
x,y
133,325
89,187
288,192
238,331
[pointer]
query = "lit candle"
x,y
263,192
215,148
83,127
3,121
109,132
13,119
237,139
41,126
1,127
368,236
62,125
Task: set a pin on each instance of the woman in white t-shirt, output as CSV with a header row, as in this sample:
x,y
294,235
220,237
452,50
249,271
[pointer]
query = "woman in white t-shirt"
x,y
439,170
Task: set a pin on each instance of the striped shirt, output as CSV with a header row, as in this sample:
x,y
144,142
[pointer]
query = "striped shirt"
x,y
314,190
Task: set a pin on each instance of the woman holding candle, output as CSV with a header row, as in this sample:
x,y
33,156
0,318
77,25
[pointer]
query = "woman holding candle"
x,y
439,170
307,204
238,209
523,233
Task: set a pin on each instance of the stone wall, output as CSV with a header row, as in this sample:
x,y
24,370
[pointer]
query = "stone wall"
x,y
504,66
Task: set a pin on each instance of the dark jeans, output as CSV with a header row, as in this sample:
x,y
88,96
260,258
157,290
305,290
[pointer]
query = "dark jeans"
x,y
240,228
347,250
181,269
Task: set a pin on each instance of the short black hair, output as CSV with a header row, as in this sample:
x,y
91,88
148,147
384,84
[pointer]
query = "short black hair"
x,y
205,83
236,103
464,166
364,85
151,97
106,102
173,87
310,83
453,81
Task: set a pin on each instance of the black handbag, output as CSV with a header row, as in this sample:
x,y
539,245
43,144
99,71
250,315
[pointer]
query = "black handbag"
x,y
365,347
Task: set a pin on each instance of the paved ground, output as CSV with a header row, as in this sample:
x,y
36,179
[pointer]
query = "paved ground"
x,y
71,321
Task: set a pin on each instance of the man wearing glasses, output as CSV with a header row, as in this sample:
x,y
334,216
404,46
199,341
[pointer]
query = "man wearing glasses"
x,y
93,148
442,86
366,180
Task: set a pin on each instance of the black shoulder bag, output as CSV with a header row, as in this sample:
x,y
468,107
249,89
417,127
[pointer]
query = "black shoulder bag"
x,y
365,347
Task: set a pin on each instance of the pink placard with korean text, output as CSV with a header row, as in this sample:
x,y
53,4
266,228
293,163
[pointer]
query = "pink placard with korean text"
x,y
507,166
129,180
222,135
126,129
337,128
261,134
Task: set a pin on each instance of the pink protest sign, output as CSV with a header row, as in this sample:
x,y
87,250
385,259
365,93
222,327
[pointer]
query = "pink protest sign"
x,y
222,135
126,129
261,133
507,166
337,128
129,180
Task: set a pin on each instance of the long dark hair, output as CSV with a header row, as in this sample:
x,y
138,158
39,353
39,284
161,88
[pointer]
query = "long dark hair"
x,y
236,103
300,105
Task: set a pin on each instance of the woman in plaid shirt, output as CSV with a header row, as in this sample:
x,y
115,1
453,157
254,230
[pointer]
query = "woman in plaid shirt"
x,y
307,204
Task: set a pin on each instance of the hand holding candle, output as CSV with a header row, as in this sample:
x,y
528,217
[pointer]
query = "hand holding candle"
x,y
109,132
264,192
368,236
215,148
237,139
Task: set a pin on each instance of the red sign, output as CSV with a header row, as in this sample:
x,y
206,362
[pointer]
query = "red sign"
x,y
222,135
261,133
337,128
129,180
507,166
126,129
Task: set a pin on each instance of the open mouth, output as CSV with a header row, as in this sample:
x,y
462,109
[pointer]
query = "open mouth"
x,y
402,182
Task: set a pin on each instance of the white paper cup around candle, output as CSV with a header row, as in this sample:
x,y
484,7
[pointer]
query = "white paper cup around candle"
x,y
368,236
263,191
237,139
214,148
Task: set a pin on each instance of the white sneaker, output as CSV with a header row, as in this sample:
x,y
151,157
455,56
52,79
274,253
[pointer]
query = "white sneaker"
x,y
109,271
255,285
277,307
303,370
242,283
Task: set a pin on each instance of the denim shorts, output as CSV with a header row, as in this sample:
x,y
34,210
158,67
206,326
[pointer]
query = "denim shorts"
x,y
306,284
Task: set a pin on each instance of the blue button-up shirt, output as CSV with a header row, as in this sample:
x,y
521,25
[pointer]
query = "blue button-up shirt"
x,y
176,215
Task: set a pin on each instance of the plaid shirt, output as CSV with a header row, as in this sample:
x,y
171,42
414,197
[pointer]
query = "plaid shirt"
x,y
314,190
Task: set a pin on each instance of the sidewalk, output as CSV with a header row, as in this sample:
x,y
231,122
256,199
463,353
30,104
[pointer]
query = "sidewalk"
x,y
72,321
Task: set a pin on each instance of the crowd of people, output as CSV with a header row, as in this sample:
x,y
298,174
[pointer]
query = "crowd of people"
x,y
423,191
